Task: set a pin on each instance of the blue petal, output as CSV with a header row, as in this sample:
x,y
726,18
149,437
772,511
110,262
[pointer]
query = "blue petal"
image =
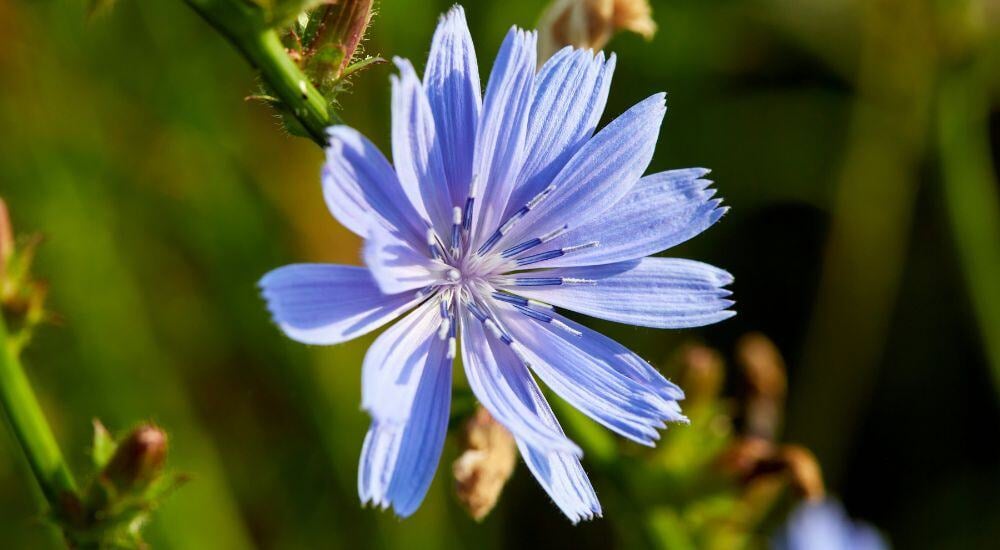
x,y
571,90
652,292
559,473
395,265
452,84
490,382
398,461
502,128
661,211
360,187
329,304
407,387
597,376
394,362
416,153
423,440
600,173
378,462
609,354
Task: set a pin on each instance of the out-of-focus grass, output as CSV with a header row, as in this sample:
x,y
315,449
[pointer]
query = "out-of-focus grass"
x,y
163,197
971,194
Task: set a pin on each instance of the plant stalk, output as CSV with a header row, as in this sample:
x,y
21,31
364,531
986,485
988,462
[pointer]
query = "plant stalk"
x,y
261,46
30,427
265,51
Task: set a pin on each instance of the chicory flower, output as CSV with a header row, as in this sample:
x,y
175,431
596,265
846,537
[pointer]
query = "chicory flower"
x,y
495,210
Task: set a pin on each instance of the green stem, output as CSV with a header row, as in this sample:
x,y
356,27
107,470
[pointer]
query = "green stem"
x,y
244,26
264,50
30,427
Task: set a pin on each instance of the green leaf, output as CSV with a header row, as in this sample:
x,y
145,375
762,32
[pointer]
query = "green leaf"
x,y
358,66
104,445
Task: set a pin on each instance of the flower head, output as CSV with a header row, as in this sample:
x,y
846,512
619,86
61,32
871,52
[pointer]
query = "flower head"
x,y
824,526
495,211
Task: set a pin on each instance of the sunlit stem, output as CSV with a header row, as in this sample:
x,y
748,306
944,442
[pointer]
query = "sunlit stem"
x,y
30,427
241,23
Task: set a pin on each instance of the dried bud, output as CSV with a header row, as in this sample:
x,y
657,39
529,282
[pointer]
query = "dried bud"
x,y
702,373
138,459
764,370
751,459
591,23
485,465
743,456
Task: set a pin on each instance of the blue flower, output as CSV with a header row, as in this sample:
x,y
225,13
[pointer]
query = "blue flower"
x,y
825,526
496,210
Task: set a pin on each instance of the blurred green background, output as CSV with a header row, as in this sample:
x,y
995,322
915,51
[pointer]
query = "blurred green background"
x,y
856,142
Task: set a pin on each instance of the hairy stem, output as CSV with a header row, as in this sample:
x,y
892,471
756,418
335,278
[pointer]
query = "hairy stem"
x,y
241,24
30,427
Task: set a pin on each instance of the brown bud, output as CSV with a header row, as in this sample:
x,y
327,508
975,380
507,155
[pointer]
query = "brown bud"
x,y
138,459
485,465
753,459
591,23
337,30
742,457
702,372
764,371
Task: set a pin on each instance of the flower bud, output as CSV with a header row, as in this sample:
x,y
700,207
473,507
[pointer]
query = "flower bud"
x,y
22,299
591,23
486,463
329,39
138,459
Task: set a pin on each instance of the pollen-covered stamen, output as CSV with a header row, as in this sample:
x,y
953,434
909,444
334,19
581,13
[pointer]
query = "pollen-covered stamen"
x,y
452,344
470,204
496,331
445,327
475,311
489,323
500,333
432,244
512,220
456,231
539,316
532,243
520,301
530,308
543,281
446,330
549,254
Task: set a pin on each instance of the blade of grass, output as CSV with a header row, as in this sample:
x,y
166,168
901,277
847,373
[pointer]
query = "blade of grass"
x,y
971,199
